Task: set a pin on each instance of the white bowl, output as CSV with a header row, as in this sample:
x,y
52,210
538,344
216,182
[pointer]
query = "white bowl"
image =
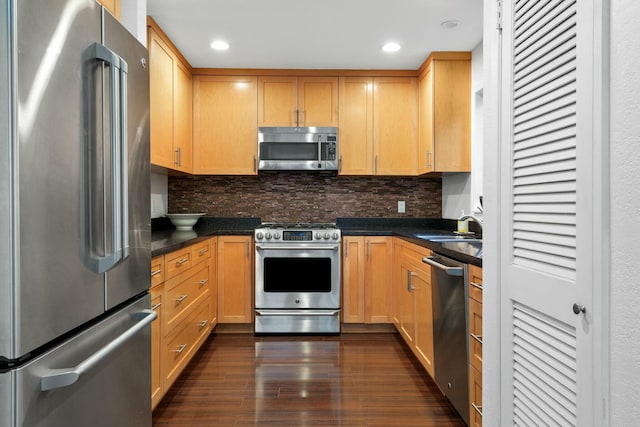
x,y
184,221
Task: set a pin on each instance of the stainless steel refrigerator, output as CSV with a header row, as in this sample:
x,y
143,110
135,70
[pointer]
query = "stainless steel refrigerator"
x,y
74,218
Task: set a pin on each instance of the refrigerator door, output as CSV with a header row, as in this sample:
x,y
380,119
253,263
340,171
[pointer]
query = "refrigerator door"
x,y
132,275
113,391
55,288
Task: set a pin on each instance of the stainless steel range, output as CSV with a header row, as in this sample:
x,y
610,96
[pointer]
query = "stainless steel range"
x,y
297,278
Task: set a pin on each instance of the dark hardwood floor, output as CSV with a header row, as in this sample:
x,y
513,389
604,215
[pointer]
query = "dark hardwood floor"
x,y
346,380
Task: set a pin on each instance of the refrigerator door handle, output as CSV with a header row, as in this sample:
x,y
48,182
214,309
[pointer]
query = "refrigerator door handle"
x,y
58,378
119,157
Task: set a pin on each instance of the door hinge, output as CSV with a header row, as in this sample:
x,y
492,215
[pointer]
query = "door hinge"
x,y
499,16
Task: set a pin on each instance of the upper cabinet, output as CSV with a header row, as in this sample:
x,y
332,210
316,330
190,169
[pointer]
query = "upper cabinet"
x,y
378,125
171,103
297,101
225,125
445,113
113,6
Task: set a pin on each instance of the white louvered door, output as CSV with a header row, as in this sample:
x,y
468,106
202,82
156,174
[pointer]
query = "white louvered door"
x,y
546,213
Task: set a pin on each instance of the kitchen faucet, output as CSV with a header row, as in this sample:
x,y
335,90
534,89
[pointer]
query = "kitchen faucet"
x,y
465,217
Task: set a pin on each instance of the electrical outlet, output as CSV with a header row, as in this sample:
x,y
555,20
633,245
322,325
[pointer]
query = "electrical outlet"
x,y
401,206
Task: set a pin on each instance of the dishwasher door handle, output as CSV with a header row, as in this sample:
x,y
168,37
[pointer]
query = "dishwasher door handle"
x,y
451,271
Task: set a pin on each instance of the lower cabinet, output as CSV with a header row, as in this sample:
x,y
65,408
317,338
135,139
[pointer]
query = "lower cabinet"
x,y
182,285
366,279
235,279
475,345
412,311
157,390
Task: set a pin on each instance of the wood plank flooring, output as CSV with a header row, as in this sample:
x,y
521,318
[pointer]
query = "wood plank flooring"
x,y
346,380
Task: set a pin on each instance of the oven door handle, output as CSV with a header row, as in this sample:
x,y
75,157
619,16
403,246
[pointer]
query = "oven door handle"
x,y
297,248
297,312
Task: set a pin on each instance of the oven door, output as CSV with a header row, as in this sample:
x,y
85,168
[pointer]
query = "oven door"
x,y
299,276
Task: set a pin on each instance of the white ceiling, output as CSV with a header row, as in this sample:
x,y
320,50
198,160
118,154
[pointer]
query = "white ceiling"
x,y
317,34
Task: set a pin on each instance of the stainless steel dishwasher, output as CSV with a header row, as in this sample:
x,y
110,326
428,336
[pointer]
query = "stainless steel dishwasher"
x,y
450,330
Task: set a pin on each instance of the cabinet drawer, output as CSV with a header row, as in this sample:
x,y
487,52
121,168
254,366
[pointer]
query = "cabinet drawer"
x,y
413,254
475,334
180,345
201,251
475,397
178,261
183,291
475,283
157,270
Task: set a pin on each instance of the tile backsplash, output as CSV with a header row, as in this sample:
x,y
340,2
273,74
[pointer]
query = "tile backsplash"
x,y
305,197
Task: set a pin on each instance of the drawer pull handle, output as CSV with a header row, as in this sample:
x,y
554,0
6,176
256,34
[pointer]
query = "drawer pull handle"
x,y
181,298
203,282
182,261
477,338
180,349
156,306
155,272
476,285
203,251
203,323
477,408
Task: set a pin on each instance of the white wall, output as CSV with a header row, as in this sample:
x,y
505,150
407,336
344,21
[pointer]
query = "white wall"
x,y
625,212
460,191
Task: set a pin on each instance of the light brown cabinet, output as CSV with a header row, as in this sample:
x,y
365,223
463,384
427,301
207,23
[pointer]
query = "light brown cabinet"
x,y
366,279
113,6
182,284
445,113
171,103
475,345
157,291
412,301
235,279
378,125
225,123
297,101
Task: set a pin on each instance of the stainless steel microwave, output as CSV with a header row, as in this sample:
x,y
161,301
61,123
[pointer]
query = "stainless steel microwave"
x,y
298,149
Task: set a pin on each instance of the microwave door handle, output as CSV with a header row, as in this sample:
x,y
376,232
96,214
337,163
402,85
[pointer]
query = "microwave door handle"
x,y
319,152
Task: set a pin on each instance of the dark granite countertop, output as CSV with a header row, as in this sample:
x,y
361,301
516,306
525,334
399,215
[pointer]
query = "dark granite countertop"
x,y
165,238
407,229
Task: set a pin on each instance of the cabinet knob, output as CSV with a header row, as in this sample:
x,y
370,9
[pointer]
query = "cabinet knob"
x,y
578,308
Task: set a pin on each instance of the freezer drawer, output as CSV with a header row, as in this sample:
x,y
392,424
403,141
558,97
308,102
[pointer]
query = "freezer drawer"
x,y
110,393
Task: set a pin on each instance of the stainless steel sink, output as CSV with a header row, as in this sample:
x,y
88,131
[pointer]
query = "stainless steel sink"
x,y
455,240
436,236
471,247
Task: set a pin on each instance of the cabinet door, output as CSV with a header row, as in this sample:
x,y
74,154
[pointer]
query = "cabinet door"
x,y
156,346
317,101
183,118
113,6
423,319
356,126
277,101
407,315
226,139
452,115
161,70
353,280
378,278
425,122
395,118
235,279
213,280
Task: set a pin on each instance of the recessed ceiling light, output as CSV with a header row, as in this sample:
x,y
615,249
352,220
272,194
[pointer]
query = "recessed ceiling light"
x,y
219,45
451,23
391,47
